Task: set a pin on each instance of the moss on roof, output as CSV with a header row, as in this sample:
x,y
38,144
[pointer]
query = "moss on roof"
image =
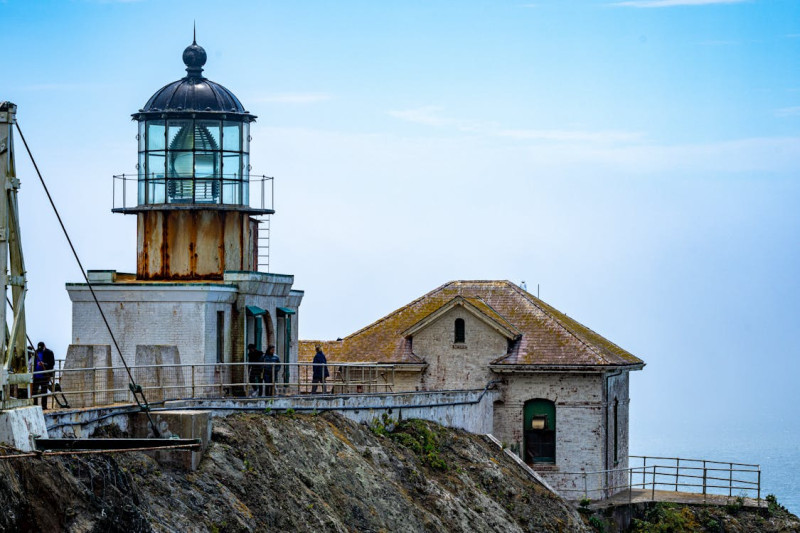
x,y
548,337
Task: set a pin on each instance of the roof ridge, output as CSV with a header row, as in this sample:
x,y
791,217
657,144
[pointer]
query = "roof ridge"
x,y
398,310
501,315
525,294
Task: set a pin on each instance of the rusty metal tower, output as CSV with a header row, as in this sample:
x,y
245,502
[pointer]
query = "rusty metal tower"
x,y
194,219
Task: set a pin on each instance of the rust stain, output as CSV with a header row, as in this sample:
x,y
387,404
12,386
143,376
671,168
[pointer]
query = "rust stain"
x,y
188,245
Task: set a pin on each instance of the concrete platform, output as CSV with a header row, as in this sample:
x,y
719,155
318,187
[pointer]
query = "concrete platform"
x,y
646,495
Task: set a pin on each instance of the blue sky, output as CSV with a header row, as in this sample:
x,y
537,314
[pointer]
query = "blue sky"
x,y
639,160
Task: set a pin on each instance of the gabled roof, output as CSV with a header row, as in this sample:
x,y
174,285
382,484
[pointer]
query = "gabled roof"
x,y
548,338
477,307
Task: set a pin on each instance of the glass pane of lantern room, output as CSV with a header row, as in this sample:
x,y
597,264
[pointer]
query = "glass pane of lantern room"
x,y
207,135
155,135
140,166
246,138
155,177
180,164
141,136
155,165
232,136
231,168
180,135
206,165
231,191
156,191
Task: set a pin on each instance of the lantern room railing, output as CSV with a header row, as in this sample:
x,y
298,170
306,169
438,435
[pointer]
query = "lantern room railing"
x,y
130,193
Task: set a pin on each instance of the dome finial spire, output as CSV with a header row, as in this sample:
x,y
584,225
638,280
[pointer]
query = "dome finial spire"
x,y
194,57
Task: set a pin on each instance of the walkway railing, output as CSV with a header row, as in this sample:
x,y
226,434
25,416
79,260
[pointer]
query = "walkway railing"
x,y
129,191
94,387
699,476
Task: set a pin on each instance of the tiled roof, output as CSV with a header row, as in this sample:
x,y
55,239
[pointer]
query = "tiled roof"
x,y
548,337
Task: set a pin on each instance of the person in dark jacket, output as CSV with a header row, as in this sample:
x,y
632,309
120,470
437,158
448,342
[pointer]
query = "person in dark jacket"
x,y
43,362
271,366
256,373
320,370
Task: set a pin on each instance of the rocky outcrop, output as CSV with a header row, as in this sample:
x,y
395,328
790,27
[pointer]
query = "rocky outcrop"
x,y
290,473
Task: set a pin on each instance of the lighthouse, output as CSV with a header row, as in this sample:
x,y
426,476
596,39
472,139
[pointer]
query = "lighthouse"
x,y
194,219
197,298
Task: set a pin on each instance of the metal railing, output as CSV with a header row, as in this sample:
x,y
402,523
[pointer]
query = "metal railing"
x,y
128,191
674,474
697,475
101,386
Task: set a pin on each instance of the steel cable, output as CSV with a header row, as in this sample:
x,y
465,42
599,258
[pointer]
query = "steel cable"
x,y
135,389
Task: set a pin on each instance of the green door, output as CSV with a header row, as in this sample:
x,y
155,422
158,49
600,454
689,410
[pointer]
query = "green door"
x,y
257,332
539,430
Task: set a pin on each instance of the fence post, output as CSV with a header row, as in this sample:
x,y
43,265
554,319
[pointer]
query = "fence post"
x,y
730,479
705,475
644,469
759,487
630,485
94,387
653,489
194,395
677,472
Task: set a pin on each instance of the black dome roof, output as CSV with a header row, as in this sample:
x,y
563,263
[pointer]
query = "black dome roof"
x,y
193,94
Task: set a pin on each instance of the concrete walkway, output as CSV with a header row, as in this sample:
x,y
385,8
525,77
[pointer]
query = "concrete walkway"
x,y
645,495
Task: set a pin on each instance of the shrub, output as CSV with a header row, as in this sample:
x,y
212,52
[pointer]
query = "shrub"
x,y
597,524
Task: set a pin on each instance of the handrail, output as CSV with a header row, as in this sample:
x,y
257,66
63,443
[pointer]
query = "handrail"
x,y
645,457
680,475
98,386
260,185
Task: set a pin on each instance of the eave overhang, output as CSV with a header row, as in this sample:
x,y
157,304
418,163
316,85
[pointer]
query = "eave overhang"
x,y
571,369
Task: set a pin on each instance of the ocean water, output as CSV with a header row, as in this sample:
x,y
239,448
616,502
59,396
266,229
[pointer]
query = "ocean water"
x,y
776,452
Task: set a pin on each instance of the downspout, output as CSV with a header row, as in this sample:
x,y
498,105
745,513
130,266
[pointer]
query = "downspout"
x,y
605,444
287,346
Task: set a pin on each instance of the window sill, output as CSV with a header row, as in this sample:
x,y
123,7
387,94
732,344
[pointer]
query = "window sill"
x,y
460,346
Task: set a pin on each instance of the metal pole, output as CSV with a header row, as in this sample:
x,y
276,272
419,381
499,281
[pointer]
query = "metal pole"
x,y
630,485
730,480
677,470
705,474
653,489
759,487
644,469
193,391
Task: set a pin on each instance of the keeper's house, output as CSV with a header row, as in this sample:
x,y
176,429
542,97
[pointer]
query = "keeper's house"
x,y
563,404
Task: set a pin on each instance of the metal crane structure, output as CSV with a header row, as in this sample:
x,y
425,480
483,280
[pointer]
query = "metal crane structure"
x,y
13,353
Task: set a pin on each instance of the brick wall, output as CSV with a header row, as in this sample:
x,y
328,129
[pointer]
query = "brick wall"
x,y
458,366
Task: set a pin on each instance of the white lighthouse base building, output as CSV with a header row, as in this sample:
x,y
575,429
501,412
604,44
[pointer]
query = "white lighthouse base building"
x,y
161,327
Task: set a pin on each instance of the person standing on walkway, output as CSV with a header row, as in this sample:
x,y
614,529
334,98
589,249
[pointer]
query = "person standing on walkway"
x,y
256,370
320,370
43,362
271,366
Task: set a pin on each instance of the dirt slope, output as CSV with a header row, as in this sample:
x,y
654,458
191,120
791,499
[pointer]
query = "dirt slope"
x,y
289,473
